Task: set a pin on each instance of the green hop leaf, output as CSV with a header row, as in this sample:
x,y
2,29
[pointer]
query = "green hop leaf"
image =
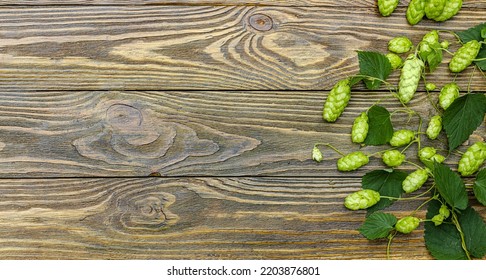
x,y
407,224
375,66
450,186
387,183
479,187
380,126
361,199
443,241
463,117
378,225
474,230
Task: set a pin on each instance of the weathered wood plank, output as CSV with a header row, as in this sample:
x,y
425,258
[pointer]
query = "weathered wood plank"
x,y
280,3
191,218
200,47
177,133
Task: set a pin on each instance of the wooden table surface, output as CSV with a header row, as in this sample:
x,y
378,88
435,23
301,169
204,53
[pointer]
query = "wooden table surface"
x,y
222,101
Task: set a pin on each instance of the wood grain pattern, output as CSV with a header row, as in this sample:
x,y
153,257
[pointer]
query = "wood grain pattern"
x,y
200,47
280,3
221,99
177,133
191,218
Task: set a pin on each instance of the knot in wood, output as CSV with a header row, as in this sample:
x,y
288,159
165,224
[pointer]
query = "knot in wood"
x,y
261,22
123,116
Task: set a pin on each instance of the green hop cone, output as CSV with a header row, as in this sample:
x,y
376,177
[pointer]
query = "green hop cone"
x,y
430,86
444,44
409,78
472,159
426,153
336,101
434,8
434,128
361,199
352,161
360,128
395,60
431,37
438,158
317,154
448,94
407,224
429,154
400,44
444,211
438,219
415,180
451,8
415,11
464,56
393,158
386,7
425,50
402,137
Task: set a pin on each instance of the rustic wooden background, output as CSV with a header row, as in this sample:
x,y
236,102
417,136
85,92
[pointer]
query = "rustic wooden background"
x,y
179,129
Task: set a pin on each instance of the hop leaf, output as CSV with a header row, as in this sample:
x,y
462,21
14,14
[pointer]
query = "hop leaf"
x,y
387,183
378,225
450,186
380,126
374,65
479,187
464,116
